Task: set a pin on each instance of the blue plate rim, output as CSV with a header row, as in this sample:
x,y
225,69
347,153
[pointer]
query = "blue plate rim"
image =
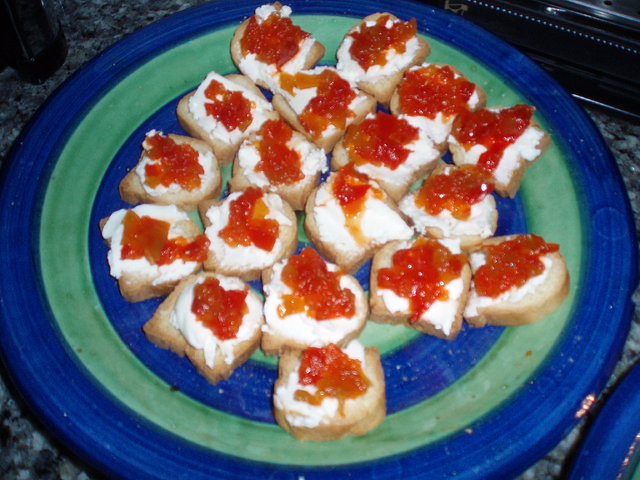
x,y
20,198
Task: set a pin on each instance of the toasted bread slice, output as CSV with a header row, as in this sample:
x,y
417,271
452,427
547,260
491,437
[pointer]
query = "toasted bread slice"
x,y
480,224
247,169
133,187
420,83
515,158
326,422
385,135
291,104
264,74
247,262
195,119
138,279
299,330
443,318
539,296
351,240
175,327
380,80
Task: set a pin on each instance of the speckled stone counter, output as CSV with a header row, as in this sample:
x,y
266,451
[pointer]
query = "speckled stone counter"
x,y
27,450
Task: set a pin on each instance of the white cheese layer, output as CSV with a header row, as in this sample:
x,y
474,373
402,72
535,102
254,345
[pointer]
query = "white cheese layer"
x,y
114,231
205,159
302,328
303,414
216,129
203,338
379,223
441,314
313,160
249,257
513,295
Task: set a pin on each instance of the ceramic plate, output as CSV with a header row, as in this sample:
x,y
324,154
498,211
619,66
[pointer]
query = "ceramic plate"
x,y
489,403
611,447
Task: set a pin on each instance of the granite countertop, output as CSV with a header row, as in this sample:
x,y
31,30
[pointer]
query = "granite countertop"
x,y
27,450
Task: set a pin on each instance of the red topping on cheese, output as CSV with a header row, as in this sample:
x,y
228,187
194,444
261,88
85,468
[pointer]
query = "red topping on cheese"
x,y
496,130
314,289
371,43
380,140
511,264
247,224
172,163
275,40
334,374
229,107
421,273
279,163
330,106
220,310
147,237
432,89
456,191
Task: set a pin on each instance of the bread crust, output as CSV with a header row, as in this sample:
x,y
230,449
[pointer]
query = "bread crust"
x,y
132,190
277,344
544,299
287,234
313,56
159,330
136,287
383,88
381,314
361,414
224,151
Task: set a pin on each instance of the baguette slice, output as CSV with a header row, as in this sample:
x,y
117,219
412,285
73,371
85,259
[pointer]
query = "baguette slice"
x,y
264,74
515,159
174,327
480,225
313,162
133,189
414,97
311,423
247,262
443,318
351,241
198,123
300,330
383,131
290,106
380,81
540,296
137,278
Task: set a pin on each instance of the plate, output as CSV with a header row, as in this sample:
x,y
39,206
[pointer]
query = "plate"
x,y
611,448
489,403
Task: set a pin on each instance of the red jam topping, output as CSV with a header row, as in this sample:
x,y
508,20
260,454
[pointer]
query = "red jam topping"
x,y
330,106
247,223
380,140
350,188
149,238
275,40
220,310
429,90
456,191
314,289
511,263
421,273
495,130
172,163
371,43
334,374
229,107
279,163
